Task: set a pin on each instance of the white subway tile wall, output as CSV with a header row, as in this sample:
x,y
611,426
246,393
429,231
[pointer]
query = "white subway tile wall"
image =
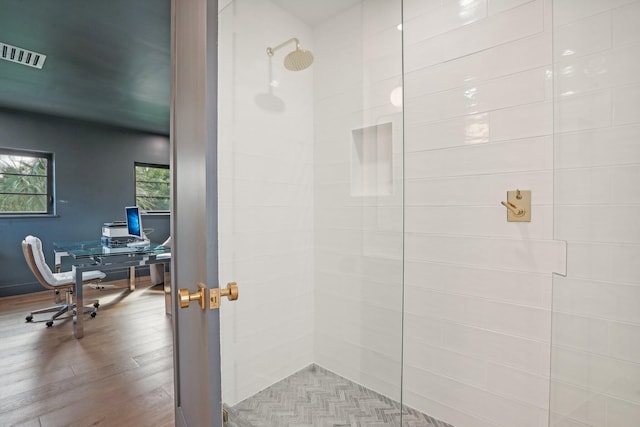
x,y
265,187
479,122
358,225
595,377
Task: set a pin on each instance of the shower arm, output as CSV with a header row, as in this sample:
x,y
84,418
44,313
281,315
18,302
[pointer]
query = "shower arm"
x,y
271,50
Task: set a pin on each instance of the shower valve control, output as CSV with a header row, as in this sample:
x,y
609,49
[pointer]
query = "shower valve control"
x,y
518,206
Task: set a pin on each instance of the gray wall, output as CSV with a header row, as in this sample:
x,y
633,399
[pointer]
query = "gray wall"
x,y
94,181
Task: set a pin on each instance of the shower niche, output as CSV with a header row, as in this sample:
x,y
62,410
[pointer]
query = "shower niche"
x,y
371,160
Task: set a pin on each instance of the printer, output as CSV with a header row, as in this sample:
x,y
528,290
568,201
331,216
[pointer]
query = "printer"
x,y
115,234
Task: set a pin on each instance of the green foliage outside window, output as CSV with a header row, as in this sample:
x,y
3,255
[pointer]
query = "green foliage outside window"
x,y
153,187
25,185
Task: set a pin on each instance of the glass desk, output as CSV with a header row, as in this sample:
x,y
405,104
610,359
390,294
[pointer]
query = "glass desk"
x,y
92,255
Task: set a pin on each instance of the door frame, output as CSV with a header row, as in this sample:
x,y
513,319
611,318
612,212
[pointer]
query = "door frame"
x,y
194,222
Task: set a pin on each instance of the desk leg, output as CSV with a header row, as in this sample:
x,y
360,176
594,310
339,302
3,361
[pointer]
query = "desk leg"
x,y
58,267
132,278
78,324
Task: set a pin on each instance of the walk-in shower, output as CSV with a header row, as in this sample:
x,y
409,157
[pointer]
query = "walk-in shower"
x,y
381,279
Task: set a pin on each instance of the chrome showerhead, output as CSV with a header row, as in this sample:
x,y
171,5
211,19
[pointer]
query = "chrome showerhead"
x,y
297,60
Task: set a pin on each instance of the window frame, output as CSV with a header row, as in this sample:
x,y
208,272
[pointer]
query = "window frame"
x,y
135,187
50,194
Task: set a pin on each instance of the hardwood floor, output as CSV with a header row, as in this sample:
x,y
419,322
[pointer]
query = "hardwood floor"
x,y
119,374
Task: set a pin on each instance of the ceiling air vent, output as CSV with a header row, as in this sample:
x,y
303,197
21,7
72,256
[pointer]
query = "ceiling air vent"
x,y
21,56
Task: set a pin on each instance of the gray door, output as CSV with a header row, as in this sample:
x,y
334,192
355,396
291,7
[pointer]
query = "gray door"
x,y
194,223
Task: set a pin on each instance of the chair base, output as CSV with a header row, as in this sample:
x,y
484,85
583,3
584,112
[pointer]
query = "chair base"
x,y
59,310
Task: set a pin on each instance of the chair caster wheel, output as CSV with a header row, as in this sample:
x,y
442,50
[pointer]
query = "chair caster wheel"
x,y
96,304
93,314
49,324
28,318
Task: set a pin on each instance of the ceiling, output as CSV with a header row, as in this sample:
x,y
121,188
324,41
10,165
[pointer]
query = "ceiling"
x,y
108,61
314,12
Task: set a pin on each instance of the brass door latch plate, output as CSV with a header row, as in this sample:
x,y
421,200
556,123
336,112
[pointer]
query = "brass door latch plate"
x,y
186,297
215,295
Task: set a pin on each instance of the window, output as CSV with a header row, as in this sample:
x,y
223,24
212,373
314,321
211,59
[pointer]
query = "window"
x,y
26,182
153,187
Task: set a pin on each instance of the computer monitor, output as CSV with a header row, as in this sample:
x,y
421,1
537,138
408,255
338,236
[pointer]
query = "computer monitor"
x,y
134,222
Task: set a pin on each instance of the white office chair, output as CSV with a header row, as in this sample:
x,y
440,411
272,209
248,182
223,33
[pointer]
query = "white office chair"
x,y
156,271
34,255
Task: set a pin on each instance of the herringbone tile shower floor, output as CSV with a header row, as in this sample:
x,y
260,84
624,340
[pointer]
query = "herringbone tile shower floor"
x,y
317,397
